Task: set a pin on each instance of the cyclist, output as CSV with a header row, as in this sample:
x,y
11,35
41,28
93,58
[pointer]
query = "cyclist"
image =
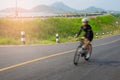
x,y
88,36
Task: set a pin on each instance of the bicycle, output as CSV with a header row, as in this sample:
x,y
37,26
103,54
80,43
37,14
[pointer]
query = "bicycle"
x,y
81,51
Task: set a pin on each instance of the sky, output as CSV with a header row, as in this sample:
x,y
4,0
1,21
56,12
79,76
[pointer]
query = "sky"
x,y
76,4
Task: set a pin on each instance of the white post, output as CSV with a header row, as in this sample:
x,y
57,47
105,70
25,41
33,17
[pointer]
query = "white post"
x,y
96,35
103,33
117,22
23,37
57,38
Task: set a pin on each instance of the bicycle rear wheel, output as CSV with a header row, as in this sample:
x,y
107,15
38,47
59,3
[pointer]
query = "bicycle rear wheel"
x,y
88,55
77,55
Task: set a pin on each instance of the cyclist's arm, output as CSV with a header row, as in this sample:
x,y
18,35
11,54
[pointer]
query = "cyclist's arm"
x,y
79,32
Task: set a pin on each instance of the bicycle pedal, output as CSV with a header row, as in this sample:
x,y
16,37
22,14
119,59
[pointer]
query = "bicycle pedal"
x,y
82,55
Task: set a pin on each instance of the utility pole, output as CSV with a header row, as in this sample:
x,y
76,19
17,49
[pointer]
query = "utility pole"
x,y
16,12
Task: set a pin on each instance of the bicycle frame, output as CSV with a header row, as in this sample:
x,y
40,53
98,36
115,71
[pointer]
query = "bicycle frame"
x,y
82,50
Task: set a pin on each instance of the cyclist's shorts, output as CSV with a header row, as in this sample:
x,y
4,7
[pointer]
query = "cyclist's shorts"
x,y
89,38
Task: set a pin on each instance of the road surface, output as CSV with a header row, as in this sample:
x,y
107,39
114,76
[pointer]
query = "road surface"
x,y
55,62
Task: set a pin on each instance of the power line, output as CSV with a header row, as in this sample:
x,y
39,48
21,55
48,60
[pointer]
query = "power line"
x,y
16,8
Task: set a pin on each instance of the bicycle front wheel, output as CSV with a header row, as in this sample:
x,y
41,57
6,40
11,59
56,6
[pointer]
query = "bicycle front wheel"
x,y
77,55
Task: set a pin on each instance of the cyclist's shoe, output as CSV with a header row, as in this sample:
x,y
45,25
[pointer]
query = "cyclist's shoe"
x,y
87,56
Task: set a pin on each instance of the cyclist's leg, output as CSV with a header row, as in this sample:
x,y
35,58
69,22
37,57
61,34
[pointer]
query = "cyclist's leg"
x,y
87,42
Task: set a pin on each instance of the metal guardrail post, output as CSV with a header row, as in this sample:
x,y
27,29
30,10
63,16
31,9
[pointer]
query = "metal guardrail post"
x,y
23,37
103,33
96,35
57,38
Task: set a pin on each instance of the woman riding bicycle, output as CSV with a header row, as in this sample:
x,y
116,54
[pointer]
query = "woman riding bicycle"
x,y
88,36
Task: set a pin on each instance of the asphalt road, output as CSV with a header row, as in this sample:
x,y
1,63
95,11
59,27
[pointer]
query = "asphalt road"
x,y
55,62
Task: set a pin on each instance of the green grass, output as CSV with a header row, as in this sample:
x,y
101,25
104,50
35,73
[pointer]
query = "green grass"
x,y
39,31
8,41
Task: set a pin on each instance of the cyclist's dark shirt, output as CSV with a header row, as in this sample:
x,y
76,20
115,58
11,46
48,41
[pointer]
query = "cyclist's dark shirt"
x,y
88,32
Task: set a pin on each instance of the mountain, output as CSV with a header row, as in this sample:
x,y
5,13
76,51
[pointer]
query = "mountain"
x,y
42,8
94,9
54,8
13,9
61,7
58,7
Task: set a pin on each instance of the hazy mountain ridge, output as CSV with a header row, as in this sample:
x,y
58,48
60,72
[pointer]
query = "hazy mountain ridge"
x,y
94,9
13,9
57,7
61,7
42,8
